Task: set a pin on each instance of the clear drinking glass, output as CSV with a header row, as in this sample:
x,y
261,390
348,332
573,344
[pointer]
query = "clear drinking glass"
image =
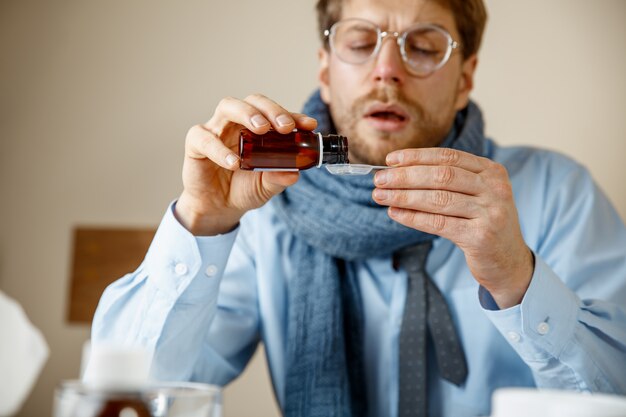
x,y
180,399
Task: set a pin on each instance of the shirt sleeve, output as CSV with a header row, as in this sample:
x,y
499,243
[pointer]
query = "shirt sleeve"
x,y
570,327
169,304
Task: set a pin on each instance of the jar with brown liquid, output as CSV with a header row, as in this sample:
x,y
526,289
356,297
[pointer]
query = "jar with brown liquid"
x,y
295,151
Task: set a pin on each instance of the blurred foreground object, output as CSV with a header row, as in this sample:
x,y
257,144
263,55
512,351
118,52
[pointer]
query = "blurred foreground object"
x,y
116,383
23,352
525,402
158,399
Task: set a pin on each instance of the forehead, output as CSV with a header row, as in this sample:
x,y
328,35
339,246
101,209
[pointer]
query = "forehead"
x,y
397,15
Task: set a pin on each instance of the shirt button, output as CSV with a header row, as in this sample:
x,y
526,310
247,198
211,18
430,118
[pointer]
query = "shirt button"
x,y
513,336
180,269
211,270
543,328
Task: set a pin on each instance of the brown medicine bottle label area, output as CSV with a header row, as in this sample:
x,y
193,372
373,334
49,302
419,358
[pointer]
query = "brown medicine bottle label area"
x,y
297,150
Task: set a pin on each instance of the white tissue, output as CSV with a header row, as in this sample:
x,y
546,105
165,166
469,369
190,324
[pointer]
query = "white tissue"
x,y
525,402
115,366
23,352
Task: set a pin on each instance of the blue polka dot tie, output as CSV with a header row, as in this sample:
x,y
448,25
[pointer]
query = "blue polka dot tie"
x,y
425,313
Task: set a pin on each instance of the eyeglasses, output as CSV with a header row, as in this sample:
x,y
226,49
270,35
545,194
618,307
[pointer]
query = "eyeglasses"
x,y
424,47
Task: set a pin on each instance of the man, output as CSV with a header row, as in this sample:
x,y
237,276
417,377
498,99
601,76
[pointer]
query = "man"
x,y
463,268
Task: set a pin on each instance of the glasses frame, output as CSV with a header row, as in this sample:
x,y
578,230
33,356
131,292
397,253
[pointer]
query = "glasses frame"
x,y
452,45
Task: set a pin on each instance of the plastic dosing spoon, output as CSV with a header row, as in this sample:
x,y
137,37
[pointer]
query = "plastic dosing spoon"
x,y
353,169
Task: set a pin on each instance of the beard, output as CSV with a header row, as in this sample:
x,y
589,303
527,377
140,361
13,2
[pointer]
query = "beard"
x,y
426,128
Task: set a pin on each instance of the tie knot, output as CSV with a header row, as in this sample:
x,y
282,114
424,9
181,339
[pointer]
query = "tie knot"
x,y
413,258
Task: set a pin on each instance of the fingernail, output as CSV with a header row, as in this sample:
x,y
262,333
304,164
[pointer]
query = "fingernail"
x,y
257,120
284,120
231,160
381,178
394,158
381,194
393,212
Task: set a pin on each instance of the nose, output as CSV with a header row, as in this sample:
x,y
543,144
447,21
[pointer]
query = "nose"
x,y
389,66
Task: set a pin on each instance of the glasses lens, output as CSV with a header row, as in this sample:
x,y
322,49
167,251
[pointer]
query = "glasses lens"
x,y
426,49
354,41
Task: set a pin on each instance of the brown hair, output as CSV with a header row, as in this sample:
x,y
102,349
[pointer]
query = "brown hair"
x,y
470,17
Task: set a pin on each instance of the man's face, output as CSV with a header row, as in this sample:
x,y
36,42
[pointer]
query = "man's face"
x,y
379,105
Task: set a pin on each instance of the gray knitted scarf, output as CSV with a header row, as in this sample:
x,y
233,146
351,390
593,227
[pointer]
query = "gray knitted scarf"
x,y
335,221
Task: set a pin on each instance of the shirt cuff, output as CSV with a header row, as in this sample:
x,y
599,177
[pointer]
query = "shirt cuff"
x,y
543,324
177,260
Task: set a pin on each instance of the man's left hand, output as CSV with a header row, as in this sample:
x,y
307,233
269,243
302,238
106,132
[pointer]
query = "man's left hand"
x,y
468,200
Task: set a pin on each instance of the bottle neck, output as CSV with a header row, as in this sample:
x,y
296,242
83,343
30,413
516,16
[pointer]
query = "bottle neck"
x,y
334,149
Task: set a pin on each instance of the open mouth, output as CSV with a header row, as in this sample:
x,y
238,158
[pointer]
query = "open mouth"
x,y
387,115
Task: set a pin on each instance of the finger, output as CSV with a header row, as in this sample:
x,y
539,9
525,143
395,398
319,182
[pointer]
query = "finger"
x,y
448,227
438,156
281,119
276,182
201,144
435,201
304,122
430,177
232,110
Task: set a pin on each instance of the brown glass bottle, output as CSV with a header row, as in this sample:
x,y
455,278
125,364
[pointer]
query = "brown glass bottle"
x,y
294,151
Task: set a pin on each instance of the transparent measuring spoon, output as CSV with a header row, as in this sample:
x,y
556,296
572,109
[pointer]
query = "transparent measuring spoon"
x,y
353,169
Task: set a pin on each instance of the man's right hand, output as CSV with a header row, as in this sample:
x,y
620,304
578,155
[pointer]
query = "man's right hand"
x,y
216,192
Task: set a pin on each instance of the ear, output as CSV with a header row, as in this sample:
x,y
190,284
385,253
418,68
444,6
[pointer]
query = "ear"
x,y
323,74
466,81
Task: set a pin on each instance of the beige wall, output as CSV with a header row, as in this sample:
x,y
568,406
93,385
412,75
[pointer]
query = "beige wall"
x,y
96,98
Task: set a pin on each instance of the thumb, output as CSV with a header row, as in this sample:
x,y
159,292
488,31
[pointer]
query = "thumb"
x,y
276,182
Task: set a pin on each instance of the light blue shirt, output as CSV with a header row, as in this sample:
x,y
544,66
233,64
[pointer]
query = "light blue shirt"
x,y
201,305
